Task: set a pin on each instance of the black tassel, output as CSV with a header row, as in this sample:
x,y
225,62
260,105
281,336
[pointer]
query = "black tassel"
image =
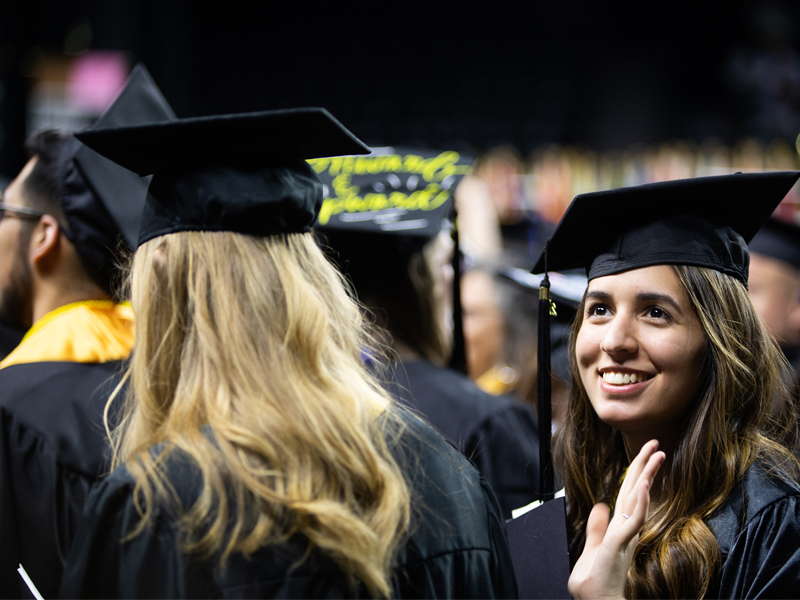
x,y
458,357
546,306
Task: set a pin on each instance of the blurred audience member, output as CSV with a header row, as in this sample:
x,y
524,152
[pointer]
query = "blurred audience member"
x,y
523,231
774,283
478,226
484,332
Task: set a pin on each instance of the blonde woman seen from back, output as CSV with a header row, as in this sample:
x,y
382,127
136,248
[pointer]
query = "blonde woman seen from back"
x,y
256,455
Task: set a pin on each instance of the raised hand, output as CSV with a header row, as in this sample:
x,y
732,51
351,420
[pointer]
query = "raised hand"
x,y
602,569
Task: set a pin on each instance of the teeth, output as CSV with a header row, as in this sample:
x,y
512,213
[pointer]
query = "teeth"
x,y
623,378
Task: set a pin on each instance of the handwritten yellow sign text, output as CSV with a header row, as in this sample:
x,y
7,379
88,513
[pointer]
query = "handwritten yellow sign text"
x,y
436,168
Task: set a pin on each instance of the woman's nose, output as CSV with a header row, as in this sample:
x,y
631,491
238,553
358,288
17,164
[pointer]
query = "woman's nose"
x,y
620,337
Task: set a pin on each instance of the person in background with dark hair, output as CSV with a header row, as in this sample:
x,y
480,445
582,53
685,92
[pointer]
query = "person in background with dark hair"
x,y
10,336
64,218
774,284
399,269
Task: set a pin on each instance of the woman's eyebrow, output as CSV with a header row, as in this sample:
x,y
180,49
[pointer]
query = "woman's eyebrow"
x,y
660,298
598,294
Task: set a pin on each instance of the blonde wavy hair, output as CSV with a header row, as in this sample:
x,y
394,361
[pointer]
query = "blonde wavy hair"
x,y
744,412
256,341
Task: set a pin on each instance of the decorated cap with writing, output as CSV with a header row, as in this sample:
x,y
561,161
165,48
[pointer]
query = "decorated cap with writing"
x,y
400,191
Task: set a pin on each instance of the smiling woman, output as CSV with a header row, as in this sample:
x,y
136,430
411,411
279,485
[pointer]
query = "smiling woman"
x,y
639,353
667,346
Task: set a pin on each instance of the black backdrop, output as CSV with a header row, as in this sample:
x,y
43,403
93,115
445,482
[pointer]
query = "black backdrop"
x,y
439,74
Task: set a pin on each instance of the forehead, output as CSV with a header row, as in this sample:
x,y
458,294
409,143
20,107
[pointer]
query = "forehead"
x,y
657,279
15,192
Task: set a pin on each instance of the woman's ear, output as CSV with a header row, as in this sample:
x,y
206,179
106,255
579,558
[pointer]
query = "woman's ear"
x,y
44,246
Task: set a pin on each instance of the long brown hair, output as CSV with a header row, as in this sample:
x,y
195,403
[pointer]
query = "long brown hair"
x,y
743,413
257,341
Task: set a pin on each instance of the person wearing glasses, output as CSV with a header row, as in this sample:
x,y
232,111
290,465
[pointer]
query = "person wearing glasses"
x,y
10,335
63,222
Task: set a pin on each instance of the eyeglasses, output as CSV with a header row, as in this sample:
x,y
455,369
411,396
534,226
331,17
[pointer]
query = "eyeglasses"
x,y
21,212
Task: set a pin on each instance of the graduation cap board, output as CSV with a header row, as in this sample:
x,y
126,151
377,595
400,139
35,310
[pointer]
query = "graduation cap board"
x,y
540,552
240,172
704,222
404,192
102,200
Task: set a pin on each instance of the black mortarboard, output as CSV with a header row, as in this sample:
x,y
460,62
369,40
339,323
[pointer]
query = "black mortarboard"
x,y
780,240
242,172
706,222
101,200
393,202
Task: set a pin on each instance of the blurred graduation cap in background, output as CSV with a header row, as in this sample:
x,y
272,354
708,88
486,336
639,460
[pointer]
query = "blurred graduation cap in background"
x,y
566,292
385,207
101,200
240,172
779,240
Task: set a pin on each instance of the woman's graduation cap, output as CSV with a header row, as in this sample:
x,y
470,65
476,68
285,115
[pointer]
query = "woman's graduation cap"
x,y
703,222
101,200
400,193
240,172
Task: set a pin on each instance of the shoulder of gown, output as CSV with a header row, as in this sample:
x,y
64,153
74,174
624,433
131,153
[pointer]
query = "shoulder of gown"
x,y
52,449
758,532
497,434
457,545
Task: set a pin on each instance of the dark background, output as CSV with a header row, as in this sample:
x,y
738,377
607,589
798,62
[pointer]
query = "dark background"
x,y
445,75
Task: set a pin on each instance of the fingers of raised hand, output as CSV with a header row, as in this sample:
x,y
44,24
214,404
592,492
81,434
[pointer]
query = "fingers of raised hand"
x,y
635,470
632,510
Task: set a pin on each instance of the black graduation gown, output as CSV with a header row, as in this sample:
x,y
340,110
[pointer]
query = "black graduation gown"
x,y
457,547
498,434
758,532
52,450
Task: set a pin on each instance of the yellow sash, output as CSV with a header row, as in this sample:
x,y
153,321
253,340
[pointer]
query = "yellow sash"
x,y
91,331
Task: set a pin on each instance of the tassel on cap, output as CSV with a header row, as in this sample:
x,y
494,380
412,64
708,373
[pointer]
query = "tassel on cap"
x,y
458,357
546,308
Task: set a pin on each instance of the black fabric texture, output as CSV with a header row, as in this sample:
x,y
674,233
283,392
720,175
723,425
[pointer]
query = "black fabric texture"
x,y
758,532
242,172
457,547
677,240
10,338
52,450
702,221
103,201
498,435
258,200
90,227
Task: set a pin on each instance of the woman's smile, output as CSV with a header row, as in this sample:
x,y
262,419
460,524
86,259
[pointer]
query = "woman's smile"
x,y
639,350
619,380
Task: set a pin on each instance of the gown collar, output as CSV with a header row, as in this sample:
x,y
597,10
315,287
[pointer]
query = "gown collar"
x,y
90,331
